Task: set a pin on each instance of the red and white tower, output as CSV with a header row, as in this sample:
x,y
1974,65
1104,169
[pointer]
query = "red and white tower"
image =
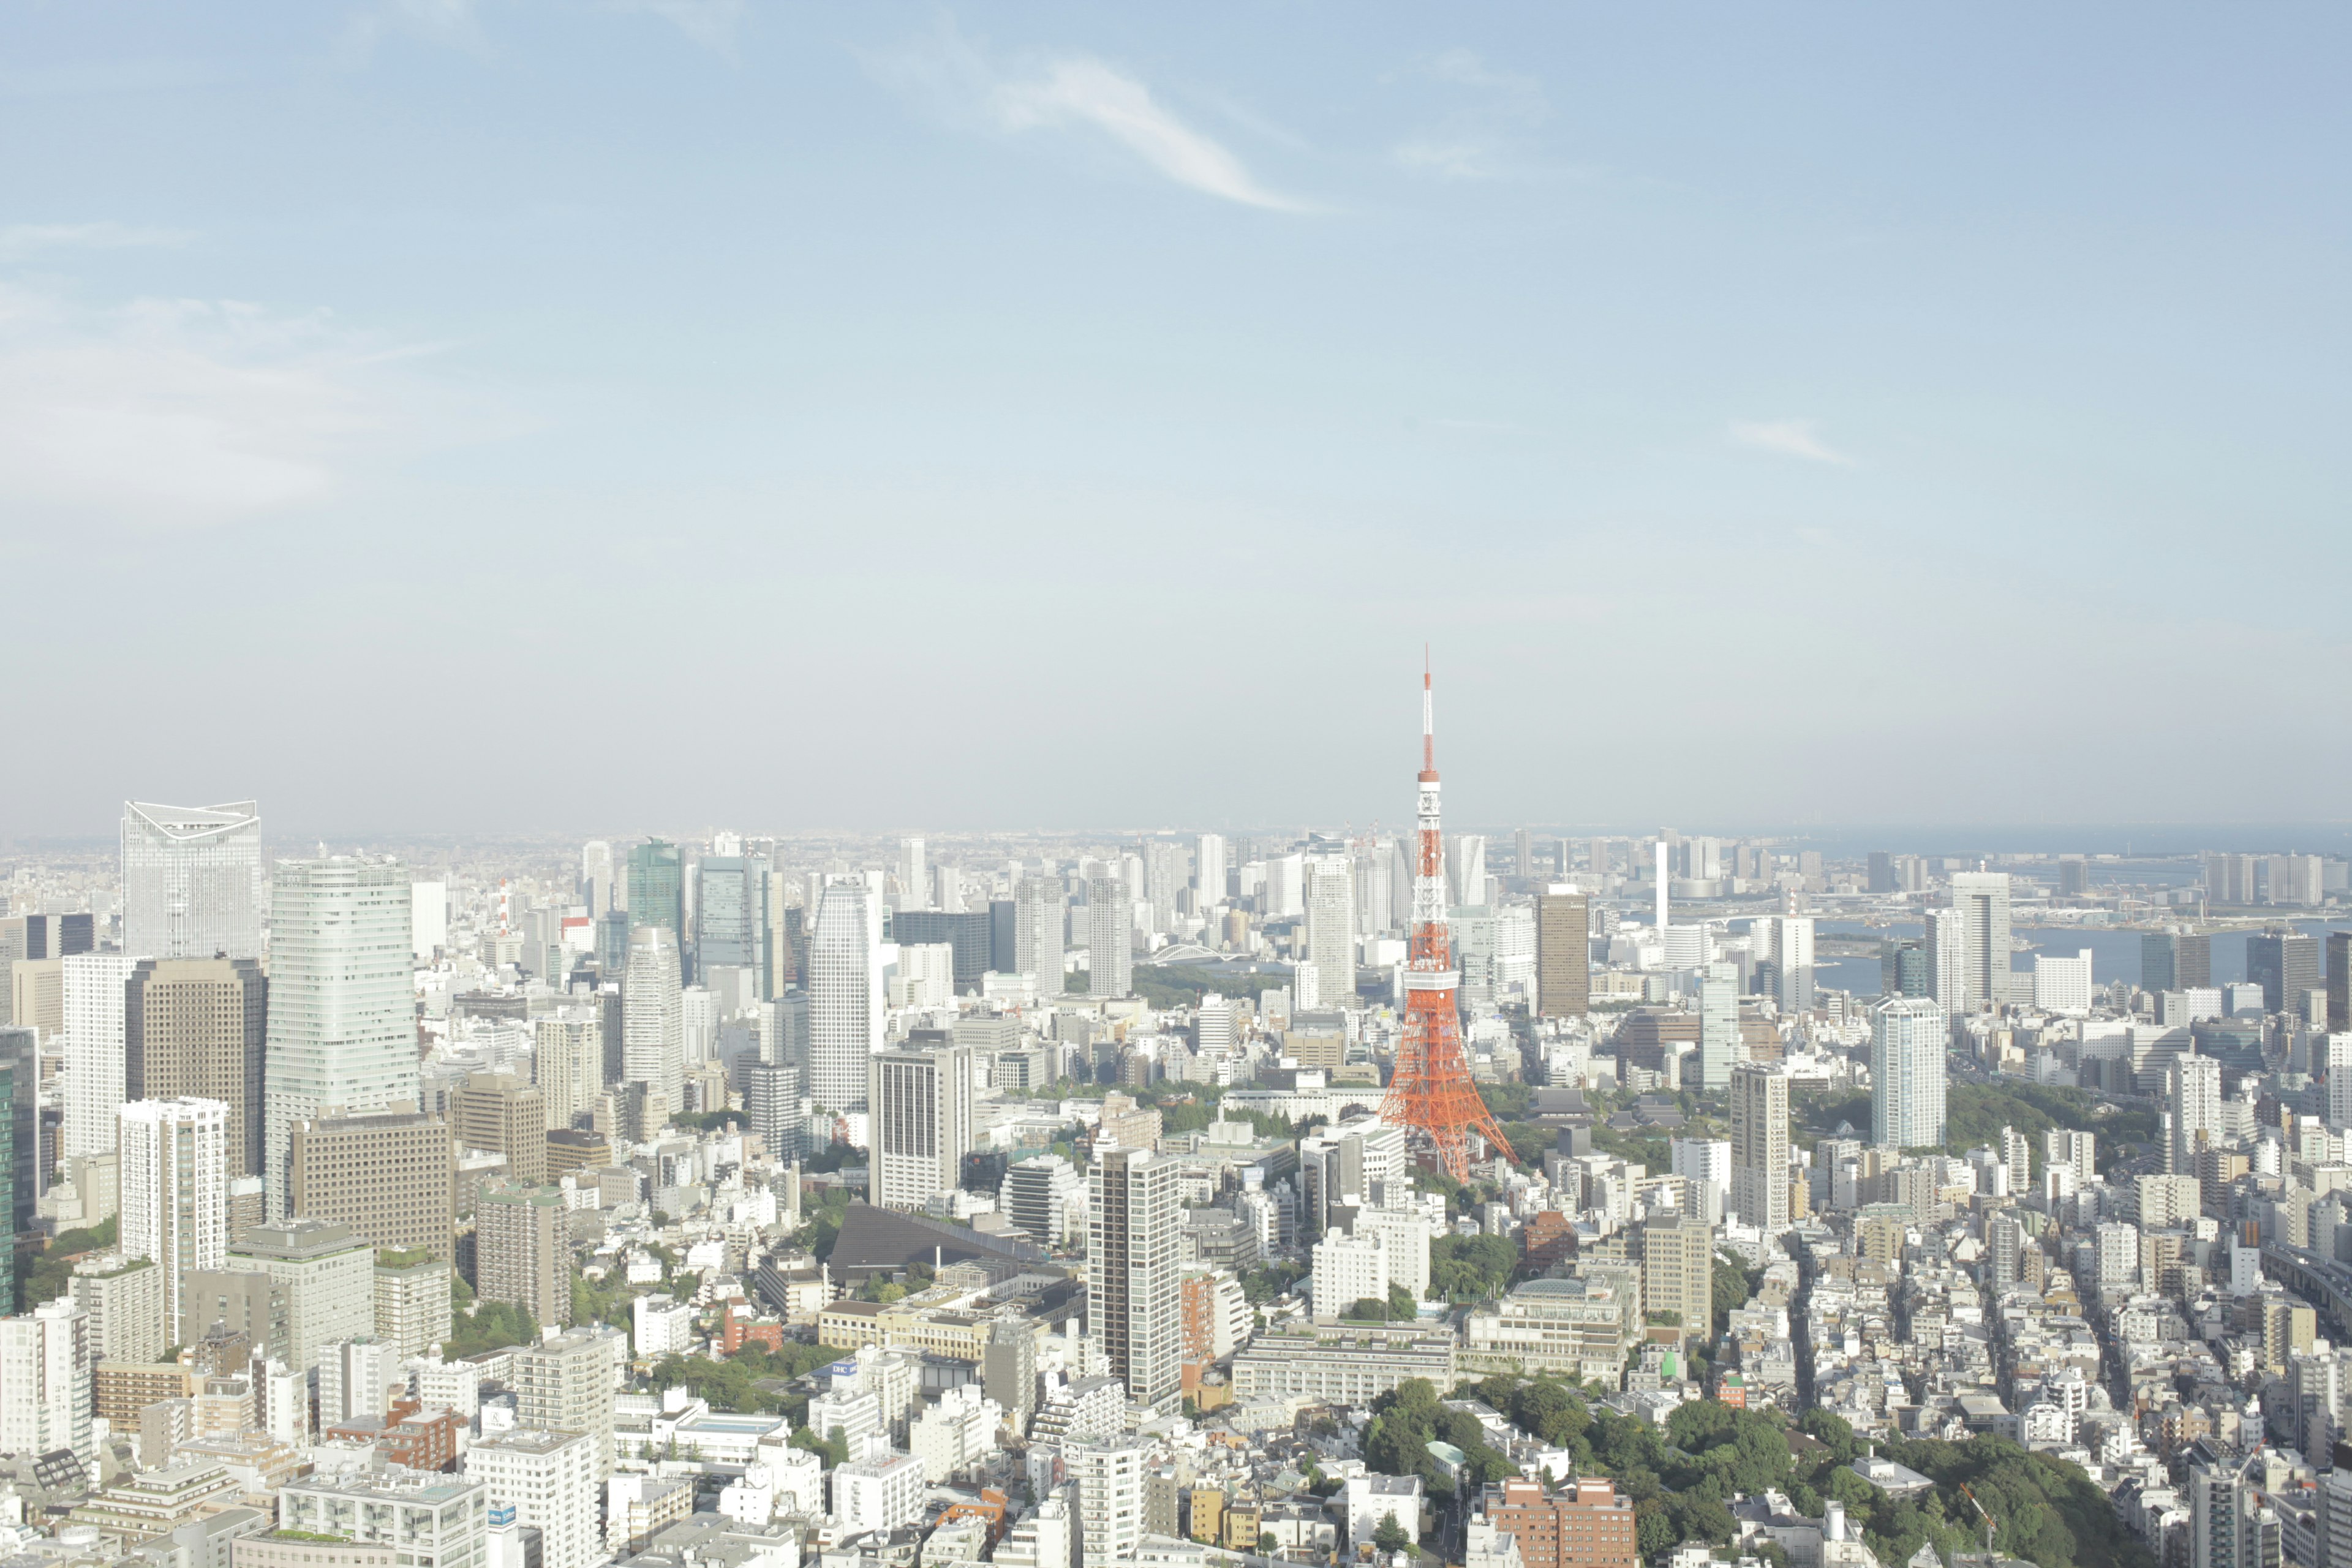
x,y
1430,1092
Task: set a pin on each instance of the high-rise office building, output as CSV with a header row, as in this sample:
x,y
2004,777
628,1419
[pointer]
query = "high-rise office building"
x,y
20,1059
192,881
596,875
175,1175
1037,932
1111,934
1881,873
847,1011
1759,1146
2285,964
1677,1260
1908,1037
199,1028
1330,933
919,1119
653,1021
1720,1044
1786,941
10,1212
914,876
771,1102
1132,1258
389,1176
2339,982
657,887
343,1015
93,1083
1209,868
328,1277
730,918
37,937
522,1254
1981,898
1563,954
499,1112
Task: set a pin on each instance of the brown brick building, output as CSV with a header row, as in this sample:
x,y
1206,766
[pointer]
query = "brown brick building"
x,y
1588,1525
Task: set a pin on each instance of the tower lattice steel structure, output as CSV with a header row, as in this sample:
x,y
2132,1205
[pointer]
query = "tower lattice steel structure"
x,y
1431,1093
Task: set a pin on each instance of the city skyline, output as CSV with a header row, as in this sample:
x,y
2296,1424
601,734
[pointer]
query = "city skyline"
x,y
1726,398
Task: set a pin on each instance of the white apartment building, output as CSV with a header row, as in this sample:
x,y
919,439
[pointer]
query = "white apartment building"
x,y
549,1480
881,1491
1348,1269
175,1174
94,996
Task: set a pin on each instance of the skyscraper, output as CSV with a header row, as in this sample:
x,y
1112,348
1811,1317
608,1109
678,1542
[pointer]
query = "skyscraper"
x,y
342,1018
2284,963
653,1020
914,876
1209,868
1759,1146
94,983
1983,900
1792,956
199,1028
1719,1041
657,887
567,1062
1563,954
20,1058
1907,1072
2339,982
730,918
175,1192
919,1116
1330,932
1110,931
2192,1094
192,881
847,1007
1037,932
1946,947
1131,1265
596,875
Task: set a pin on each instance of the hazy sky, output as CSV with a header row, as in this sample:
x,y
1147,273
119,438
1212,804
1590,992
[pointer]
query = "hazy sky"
x,y
466,415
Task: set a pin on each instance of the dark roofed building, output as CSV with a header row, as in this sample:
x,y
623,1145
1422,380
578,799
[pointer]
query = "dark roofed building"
x,y
874,1243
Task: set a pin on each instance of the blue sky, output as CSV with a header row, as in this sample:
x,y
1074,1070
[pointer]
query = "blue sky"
x,y
471,415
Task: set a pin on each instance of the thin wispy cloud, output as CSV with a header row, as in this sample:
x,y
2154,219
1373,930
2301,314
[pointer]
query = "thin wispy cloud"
x,y
1485,134
1789,439
710,23
166,413
20,240
1073,92
453,24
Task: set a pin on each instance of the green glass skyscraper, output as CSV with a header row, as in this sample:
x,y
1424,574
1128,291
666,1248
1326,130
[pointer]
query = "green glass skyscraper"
x,y
657,888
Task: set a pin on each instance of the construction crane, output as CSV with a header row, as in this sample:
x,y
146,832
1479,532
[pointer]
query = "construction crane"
x,y
1971,1496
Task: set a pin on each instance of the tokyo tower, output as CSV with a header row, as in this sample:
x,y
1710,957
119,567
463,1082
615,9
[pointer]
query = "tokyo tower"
x,y
1430,1092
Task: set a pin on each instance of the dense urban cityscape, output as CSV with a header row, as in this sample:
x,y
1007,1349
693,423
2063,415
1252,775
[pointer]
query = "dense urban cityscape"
x,y
1512,1201
881,783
